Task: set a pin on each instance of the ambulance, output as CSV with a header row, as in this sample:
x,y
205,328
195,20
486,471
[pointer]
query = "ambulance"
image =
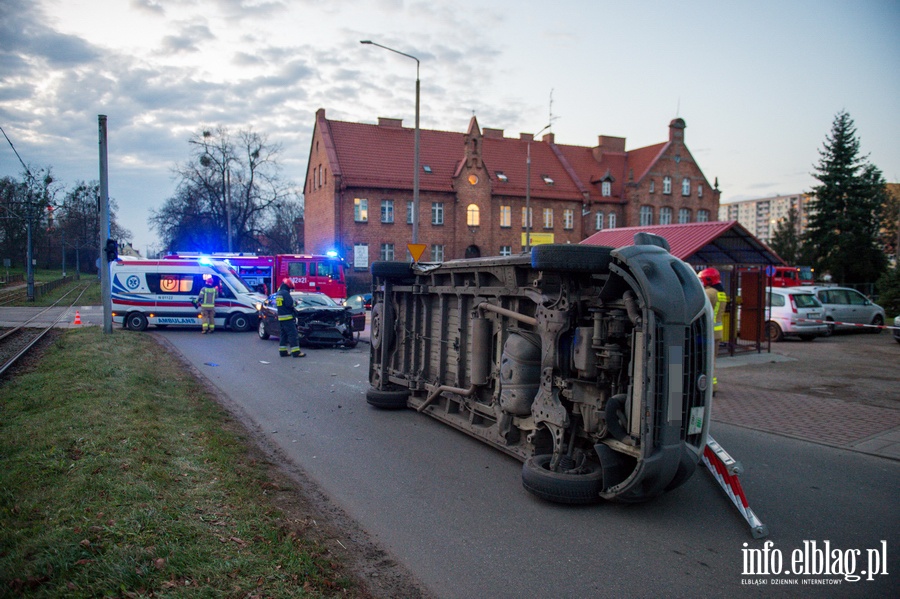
x,y
161,293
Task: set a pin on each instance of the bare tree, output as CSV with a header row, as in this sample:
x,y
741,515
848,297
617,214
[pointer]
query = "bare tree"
x,y
227,188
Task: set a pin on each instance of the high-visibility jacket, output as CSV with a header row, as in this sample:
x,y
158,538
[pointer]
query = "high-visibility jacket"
x,y
284,303
208,297
717,299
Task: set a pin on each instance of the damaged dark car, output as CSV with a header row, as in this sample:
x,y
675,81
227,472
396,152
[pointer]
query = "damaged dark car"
x,y
321,322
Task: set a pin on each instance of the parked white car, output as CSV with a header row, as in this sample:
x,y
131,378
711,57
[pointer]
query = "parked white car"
x,y
843,304
793,311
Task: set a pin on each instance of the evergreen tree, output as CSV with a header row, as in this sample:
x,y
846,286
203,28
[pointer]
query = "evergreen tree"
x,y
786,240
845,214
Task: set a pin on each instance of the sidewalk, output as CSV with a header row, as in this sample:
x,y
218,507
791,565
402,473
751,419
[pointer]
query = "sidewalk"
x,y
825,420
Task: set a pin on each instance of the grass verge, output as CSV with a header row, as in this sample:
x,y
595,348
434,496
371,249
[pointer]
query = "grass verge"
x,y
129,480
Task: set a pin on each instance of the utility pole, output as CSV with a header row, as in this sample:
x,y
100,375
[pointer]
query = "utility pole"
x,y
105,283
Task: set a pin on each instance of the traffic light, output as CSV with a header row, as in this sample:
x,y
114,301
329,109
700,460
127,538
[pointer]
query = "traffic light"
x,y
112,250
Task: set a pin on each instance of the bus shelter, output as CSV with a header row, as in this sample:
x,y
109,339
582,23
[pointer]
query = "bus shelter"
x,y
727,246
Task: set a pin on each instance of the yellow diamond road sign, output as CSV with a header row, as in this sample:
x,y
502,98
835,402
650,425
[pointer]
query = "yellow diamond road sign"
x,y
416,250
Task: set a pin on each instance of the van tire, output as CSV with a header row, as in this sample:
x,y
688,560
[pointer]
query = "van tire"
x,y
239,322
558,487
571,258
387,400
391,270
136,321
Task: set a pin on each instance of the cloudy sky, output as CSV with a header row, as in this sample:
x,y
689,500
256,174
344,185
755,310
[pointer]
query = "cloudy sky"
x,y
758,83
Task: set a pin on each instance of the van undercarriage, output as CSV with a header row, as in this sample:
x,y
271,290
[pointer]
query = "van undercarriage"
x,y
591,365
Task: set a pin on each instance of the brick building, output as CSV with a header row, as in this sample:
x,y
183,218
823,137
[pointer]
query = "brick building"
x,y
473,190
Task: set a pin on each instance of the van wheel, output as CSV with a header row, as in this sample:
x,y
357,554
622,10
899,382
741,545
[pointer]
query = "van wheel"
x,y
571,258
136,321
239,323
391,270
561,487
387,400
263,334
773,331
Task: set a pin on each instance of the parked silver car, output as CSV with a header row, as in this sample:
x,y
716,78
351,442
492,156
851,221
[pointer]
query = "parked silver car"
x,y
896,330
846,305
793,311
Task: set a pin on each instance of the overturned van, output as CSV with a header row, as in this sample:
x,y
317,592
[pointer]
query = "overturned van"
x,y
591,365
161,293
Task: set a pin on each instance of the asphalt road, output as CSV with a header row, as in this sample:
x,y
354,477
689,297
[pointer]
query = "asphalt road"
x,y
453,511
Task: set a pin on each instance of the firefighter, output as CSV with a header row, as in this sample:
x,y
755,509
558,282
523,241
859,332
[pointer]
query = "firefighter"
x,y
287,327
207,303
715,293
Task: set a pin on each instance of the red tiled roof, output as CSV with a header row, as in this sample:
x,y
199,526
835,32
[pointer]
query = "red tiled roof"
x,y
717,242
381,156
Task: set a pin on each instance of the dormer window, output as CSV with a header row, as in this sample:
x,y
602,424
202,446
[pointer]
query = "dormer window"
x,y
501,176
547,179
606,189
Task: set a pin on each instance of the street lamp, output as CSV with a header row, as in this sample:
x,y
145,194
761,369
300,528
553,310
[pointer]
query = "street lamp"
x,y
528,191
415,210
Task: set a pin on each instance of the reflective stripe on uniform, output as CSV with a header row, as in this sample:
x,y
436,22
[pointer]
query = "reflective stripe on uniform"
x,y
721,299
208,297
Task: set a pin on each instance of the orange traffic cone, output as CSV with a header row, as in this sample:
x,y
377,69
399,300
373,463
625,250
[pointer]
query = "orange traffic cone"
x,y
77,317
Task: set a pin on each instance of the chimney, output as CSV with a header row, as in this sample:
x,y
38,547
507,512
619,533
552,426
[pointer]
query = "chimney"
x,y
386,122
526,136
492,133
608,144
549,138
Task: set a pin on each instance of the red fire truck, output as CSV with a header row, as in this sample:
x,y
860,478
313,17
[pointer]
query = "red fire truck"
x,y
308,272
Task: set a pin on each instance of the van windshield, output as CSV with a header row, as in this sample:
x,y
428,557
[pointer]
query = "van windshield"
x,y
234,281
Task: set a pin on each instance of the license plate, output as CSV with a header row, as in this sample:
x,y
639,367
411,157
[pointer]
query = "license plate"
x,y
813,315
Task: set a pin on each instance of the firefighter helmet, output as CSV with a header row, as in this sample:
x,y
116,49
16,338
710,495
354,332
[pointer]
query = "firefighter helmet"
x,y
288,283
709,276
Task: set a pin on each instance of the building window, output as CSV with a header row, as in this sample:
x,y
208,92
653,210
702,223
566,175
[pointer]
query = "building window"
x,y
409,212
646,216
387,211
387,251
473,215
606,189
527,213
437,253
611,221
667,184
684,215
426,168
665,216
547,179
505,216
501,176
437,213
702,216
598,221
506,250
548,218
568,219
361,210
321,178
685,187
699,191
652,186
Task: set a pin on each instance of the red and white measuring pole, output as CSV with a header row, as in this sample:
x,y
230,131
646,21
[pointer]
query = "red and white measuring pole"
x,y
725,470
849,324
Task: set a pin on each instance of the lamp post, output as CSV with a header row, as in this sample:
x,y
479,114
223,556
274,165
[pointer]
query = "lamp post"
x,y
415,210
528,191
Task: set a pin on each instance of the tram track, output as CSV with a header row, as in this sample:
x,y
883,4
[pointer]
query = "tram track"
x,y
16,342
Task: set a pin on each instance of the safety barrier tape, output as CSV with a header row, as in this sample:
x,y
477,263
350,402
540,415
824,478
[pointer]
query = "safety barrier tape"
x,y
849,324
725,470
